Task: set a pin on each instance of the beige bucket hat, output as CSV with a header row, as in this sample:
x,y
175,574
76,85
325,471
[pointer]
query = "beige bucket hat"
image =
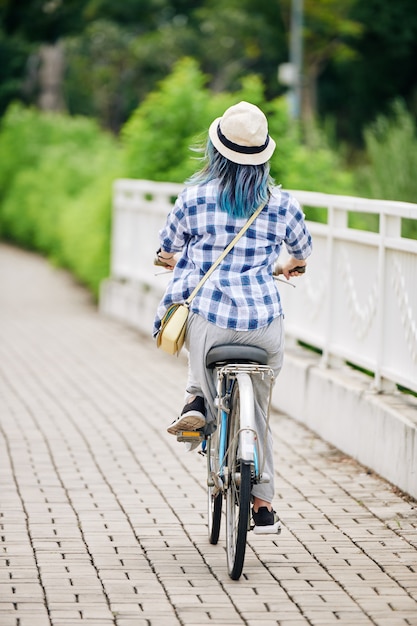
x,y
241,135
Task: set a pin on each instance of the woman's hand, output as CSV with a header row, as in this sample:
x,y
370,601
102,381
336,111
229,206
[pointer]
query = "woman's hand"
x,y
292,267
165,259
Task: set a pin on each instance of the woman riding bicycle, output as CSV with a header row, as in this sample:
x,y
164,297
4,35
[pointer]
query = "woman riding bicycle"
x,y
240,303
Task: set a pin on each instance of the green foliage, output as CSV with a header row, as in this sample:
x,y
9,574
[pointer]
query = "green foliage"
x,y
13,60
316,167
56,175
238,37
391,147
37,20
158,136
359,89
391,161
329,30
84,232
358,55
105,87
56,171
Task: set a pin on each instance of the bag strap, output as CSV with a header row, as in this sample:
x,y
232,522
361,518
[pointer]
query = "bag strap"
x,y
224,253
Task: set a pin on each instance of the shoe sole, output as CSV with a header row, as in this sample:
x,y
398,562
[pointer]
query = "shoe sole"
x,y
187,422
275,529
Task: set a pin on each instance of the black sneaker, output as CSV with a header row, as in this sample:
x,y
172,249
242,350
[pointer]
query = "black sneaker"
x,y
193,417
266,522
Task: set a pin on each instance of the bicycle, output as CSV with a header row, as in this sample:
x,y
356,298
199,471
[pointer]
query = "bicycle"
x,y
234,453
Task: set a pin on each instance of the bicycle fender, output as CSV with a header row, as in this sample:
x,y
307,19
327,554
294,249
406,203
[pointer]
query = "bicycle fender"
x,y
247,433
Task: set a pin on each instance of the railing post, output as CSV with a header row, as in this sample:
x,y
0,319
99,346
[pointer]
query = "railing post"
x,y
337,219
389,226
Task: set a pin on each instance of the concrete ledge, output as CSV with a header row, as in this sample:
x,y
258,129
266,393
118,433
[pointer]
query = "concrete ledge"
x,y
378,430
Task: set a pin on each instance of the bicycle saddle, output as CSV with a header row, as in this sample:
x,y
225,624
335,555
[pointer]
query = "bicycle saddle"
x,y
235,353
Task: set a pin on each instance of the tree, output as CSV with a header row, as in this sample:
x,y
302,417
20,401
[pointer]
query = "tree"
x,y
41,21
105,87
14,53
328,32
383,69
358,55
238,37
228,41
44,22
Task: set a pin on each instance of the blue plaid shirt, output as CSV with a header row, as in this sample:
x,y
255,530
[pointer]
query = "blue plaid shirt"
x,y
241,293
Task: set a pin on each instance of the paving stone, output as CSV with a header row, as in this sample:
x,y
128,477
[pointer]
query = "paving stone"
x,y
103,516
31,620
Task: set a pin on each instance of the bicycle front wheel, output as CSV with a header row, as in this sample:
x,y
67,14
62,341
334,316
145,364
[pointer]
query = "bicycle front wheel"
x,y
237,494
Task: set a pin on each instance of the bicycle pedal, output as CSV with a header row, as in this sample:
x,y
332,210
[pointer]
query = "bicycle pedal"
x,y
264,479
190,435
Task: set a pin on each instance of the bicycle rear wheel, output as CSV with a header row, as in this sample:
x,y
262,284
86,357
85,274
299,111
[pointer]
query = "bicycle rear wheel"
x,y
214,495
237,494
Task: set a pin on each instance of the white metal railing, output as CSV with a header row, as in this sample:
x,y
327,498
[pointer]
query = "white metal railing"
x,y
357,301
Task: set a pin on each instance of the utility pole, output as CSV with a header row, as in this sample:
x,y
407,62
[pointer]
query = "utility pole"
x,y
296,56
290,74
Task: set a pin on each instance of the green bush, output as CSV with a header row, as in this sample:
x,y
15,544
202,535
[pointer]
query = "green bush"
x,y
391,151
315,167
56,177
56,171
85,233
158,136
389,172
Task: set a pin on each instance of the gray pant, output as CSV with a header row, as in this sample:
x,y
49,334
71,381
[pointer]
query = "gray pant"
x,y
201,336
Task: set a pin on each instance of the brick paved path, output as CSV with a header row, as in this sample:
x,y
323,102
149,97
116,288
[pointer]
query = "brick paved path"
x,y
103,514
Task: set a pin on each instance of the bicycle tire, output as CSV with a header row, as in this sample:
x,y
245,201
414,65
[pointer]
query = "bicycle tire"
x,y
214,496
237,494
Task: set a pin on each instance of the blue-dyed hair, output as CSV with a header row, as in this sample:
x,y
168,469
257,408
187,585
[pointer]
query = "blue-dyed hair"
x,y
242,187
